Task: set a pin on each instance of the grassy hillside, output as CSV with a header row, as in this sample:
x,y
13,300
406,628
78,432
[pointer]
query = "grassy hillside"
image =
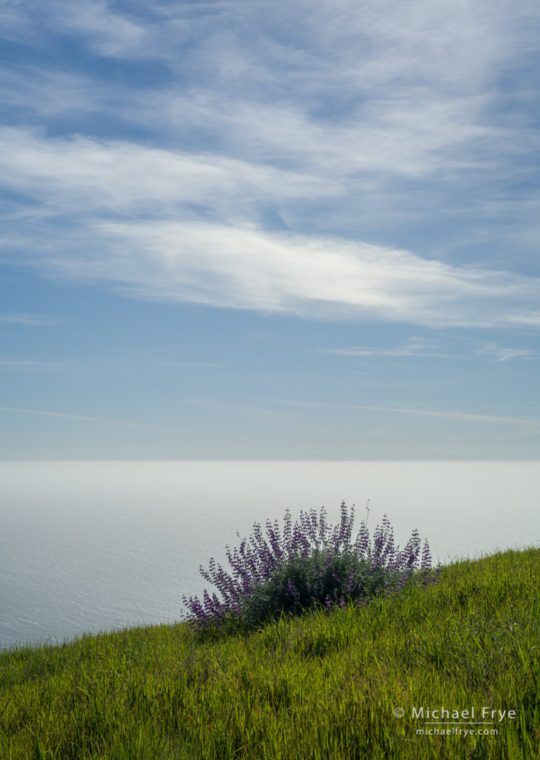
x,y
325,685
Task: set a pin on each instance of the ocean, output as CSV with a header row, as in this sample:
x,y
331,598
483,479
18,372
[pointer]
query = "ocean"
x,y
95,546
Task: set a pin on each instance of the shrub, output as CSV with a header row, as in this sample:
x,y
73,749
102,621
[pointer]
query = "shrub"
x,y
307,564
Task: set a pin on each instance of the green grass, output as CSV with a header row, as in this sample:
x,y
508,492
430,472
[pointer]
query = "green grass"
x,y
320,686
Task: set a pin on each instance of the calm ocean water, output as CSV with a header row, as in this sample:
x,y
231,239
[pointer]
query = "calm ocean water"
x,y
91,546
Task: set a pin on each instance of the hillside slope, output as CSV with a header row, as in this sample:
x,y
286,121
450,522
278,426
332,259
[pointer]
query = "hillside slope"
x,y
367,682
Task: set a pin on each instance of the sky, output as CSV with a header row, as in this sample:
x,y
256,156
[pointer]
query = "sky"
x,y
243,229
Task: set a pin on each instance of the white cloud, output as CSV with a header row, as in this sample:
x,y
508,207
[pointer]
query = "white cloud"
x,y
244,267
90,176
397,136
360,117
414,84
170,225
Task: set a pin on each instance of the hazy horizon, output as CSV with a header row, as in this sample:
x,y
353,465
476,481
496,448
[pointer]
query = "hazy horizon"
x,y
88,546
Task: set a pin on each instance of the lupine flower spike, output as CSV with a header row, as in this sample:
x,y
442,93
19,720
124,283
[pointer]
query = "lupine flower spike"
x,y
308,564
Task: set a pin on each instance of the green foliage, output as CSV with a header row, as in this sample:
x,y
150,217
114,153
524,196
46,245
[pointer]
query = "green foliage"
x,y
319,580
323,685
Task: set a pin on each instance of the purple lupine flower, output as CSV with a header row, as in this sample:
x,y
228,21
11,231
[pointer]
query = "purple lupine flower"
x,y
362,540
321,549
426,556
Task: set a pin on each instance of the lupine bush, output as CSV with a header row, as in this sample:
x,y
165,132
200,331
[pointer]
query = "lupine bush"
x,y
308,564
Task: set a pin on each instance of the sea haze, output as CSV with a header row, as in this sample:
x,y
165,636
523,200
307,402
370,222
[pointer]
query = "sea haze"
x,y
91,546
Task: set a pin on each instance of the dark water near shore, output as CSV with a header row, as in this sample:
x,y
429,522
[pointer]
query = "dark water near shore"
x,y
90,546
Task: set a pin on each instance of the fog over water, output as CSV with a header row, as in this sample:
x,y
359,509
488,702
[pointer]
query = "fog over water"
x,y
90,546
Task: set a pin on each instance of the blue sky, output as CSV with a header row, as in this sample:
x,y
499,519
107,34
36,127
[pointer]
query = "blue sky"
x,y
249,229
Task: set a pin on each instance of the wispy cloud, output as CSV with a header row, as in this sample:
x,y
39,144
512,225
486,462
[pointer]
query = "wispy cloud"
x,y
203,365
422,347
455,415
107,32
346,130
369,162
429,348
29,320
18,364
235,408
75,417
95,177
245,267
526,318
505,354
47,93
